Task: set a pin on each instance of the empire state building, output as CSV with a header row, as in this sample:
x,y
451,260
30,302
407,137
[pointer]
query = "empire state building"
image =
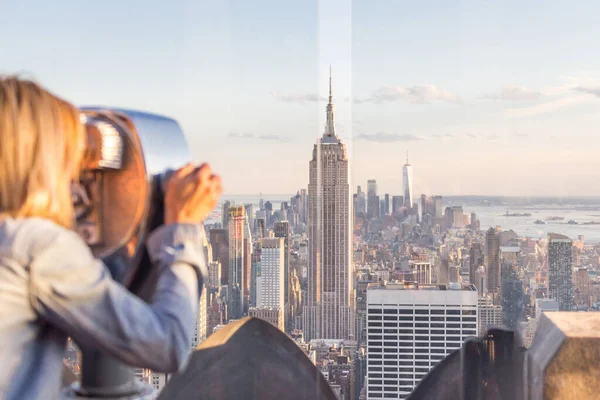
x,y
328,312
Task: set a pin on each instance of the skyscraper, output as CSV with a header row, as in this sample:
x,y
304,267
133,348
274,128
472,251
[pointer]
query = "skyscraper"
x,y
238,251
269,287
256,270
473,222
387,204
328,311
583,288
407,189
492,261
282,230
225,214
410,328
560,275
397,202
302,206
476,259
426,206
512,287
260,227
372,199
438,207
361,202
200,332
490,316
270,281
219,241
458,220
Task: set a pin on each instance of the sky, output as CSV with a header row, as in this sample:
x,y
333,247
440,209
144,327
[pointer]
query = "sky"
x,y
488,98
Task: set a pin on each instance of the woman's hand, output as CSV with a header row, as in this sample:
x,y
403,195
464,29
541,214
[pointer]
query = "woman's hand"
x,y
192,193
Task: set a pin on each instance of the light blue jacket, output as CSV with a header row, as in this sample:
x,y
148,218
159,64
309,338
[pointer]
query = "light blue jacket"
x,y
52,287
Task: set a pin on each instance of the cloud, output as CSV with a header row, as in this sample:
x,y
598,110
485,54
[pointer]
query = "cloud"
x,y
298,98
547,107
419,94
589,90
514,93
444,136
383,137
264,136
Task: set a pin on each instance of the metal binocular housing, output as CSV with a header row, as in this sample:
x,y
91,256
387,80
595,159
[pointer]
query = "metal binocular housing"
x,y
119,197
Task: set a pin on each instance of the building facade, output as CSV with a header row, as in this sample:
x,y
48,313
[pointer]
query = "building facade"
x,y
282,230
489,315
328,310
270,283
476,259
512,291
219,240
492,263
411,328
560,267
372,200
239,261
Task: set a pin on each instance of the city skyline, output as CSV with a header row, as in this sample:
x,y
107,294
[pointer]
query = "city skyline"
x,y
482,109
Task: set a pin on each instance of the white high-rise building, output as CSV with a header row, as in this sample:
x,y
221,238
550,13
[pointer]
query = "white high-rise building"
x,y
407,188
270,283
410,328
329,308
200,327
490,315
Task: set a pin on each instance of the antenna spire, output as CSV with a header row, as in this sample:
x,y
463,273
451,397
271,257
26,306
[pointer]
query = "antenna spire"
x,y
406,157
330,126
330,92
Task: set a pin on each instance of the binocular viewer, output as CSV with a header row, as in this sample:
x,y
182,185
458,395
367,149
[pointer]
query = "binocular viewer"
x,y
119,200
119,196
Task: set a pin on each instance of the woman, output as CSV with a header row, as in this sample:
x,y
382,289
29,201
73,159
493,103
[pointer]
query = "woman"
x,y
51,287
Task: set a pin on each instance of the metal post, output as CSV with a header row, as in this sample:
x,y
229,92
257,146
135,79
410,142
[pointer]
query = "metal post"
x,y
104,377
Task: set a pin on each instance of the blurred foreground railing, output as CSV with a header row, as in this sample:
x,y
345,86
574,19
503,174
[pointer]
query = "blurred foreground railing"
x,y
249,359
252,359
562,363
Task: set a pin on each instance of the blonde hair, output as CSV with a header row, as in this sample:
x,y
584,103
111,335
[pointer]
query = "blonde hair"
x,y
41,145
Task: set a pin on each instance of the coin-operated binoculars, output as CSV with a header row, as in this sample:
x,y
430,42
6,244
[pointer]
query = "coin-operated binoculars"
x,y
118,201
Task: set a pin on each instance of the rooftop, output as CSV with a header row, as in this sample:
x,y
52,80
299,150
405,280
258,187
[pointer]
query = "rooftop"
x,y
419,262
420,286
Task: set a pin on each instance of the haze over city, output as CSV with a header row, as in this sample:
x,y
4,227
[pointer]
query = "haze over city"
x,y
486,98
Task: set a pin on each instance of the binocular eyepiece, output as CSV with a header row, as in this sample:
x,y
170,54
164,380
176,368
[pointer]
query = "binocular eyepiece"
x,y
119,196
